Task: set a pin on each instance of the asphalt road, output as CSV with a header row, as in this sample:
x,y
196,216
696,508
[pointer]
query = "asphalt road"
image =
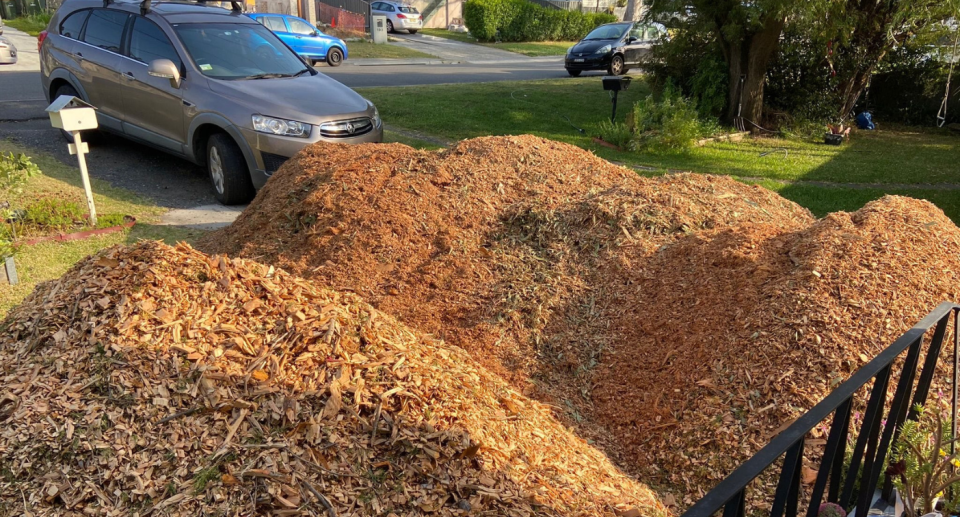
x,y
175,183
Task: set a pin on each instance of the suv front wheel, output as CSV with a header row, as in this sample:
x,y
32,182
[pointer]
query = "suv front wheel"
x,y
228,171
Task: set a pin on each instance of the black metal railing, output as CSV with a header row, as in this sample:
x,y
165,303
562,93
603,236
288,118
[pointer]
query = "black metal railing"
x,y
879,431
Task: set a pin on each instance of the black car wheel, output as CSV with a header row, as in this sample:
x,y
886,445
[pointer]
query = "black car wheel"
x,y
228,171
389,26
616,66
574,73
334,57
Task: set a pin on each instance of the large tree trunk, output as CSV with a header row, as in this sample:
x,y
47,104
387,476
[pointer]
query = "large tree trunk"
x,y
867,46
747,60
634,10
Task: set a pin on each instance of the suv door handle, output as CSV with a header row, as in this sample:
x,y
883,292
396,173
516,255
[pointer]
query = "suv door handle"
x,y
80,55
129,76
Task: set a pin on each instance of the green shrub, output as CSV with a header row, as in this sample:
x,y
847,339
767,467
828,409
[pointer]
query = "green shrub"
x,y
671,124
693,61
616,133
521,20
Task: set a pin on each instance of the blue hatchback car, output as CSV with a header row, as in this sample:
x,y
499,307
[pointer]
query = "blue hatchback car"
x,y
303,38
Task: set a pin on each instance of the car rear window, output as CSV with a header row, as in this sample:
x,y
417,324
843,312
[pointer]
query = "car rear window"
x,y
72,25
274,23
105,29
407,9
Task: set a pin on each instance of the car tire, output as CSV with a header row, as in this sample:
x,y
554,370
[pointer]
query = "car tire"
x,y
87,136
334,57
389,26
412,31
574,73
616,66
228,171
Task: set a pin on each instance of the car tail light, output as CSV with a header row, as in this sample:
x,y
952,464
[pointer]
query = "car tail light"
x,y
40,37
401,16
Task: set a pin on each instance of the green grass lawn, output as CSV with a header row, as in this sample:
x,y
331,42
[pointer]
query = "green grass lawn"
x,y
32,24
898,156
533,48
49,260
366,49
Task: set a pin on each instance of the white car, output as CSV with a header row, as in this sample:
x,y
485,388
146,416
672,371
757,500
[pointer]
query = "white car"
x,y
400,16
8,52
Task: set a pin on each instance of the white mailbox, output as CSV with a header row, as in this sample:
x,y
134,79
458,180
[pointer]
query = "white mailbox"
x,y
379,28
72,114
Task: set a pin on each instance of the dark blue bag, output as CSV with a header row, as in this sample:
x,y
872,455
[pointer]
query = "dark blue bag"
x,y
865,120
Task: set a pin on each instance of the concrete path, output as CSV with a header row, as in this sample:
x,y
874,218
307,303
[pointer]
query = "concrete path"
x,y
28,58
20,82
206,217
452,50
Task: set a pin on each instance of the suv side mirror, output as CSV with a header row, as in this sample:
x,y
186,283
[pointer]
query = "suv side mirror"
x,y
632,39
164,68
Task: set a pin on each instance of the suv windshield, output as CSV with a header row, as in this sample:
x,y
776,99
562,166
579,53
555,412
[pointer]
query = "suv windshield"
x,y
238,51
608,32
408,9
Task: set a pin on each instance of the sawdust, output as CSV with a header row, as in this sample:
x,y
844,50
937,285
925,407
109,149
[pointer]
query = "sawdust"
x,y
158,380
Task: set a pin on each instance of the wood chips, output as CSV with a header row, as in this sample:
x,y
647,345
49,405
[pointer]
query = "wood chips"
x,y
151,380
677,322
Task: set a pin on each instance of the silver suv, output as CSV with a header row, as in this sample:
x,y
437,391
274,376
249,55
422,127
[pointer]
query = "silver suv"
x,y
202,82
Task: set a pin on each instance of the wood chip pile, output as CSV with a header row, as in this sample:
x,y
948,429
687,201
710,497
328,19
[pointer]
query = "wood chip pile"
x,y
521,250
728,335
485,245
158,380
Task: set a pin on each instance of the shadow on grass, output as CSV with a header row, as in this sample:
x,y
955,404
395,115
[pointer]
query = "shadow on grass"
x,y
899,157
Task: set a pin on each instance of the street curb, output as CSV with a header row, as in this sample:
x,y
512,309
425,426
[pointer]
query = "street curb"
x,y
400,62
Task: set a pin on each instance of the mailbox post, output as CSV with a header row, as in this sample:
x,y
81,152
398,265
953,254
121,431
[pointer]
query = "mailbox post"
x,y
614,84
73,115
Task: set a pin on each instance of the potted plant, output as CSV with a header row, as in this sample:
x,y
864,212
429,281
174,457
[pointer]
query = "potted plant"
x,y
923,469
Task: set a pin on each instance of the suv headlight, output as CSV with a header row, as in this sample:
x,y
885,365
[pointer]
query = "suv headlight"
x,y
376,115
279,126
604,49
570,51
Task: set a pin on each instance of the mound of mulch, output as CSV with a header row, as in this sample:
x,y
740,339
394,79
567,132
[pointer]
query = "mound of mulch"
x,y
730,334
483,244
513,248
159,380
678,322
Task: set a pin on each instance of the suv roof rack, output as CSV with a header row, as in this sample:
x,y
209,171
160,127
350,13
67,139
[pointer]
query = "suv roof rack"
x,y
235,5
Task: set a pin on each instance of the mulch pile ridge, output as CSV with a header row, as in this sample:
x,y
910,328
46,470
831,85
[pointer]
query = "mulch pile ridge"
x,y
678,322
751,326
162,381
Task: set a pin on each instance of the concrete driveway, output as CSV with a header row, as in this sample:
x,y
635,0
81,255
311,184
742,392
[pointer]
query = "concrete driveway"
x,y
458,51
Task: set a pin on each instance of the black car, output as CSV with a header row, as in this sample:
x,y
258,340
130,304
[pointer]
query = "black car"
x,y
614,47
